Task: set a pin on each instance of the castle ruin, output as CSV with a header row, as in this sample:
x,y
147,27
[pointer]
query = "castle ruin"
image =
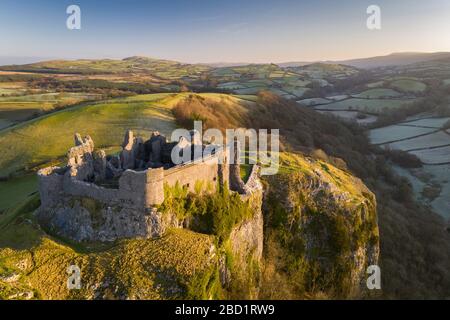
x,y
96,197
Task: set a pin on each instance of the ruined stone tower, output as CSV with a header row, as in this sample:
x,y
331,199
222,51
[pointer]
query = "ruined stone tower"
x,y
102,198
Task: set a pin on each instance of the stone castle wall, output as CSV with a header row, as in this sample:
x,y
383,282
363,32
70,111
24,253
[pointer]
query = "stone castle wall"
x,y
140,189
209,171
74,205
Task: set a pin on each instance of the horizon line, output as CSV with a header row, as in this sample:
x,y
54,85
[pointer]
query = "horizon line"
x,y
44,59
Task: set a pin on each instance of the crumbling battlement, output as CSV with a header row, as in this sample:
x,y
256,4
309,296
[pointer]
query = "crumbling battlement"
x,y
140,189
98,197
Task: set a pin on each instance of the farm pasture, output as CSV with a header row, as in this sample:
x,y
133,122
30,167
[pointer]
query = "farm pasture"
x,y
253,90
395,133
366,105
428,122
258,82
378,93
231,86
277,91
419,116
338,97
433,156
313,102
321,82
375,84
409,85
421,136
352,116
436,139
10,91
14,109
13,84
295,91
296,82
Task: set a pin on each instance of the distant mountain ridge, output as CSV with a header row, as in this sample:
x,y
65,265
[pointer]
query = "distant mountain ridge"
x,y
393,59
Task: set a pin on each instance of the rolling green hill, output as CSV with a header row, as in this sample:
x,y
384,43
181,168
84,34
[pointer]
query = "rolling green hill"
x,y
312,144
105,121
161,68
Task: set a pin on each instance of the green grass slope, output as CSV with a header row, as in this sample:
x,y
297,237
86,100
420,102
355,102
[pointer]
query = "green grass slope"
x,y
33,264
160,68
22,107
47,138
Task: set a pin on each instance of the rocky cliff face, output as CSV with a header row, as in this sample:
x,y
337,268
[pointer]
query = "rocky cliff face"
x,y
322,230
242,255
85,219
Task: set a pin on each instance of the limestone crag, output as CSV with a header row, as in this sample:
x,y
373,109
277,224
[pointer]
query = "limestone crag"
x,y
332,219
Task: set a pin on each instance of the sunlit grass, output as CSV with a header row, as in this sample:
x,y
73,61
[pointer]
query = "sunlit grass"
x,y
148,269
49,137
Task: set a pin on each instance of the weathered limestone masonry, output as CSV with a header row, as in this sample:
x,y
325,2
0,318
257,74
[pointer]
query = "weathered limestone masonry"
x,y
102,198
247,238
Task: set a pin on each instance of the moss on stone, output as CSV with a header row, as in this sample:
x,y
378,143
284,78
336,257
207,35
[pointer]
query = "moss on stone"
x,y
211,213
321,217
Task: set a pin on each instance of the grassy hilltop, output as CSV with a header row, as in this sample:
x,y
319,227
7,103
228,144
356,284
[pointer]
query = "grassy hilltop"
x,y
161,266
403,110
158,67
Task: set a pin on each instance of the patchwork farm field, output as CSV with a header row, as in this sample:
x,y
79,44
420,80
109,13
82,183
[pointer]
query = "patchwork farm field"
x,y
395,133
290,83
432,140
322,71
374,106
158,67
12,84
338,97
434,156
4,92
409,85
431,122
375,84
291,88
426,139
311,102
353,116
383,94
378,93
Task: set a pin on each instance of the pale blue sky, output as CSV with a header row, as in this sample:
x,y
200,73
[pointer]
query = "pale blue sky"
x,y
222,31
